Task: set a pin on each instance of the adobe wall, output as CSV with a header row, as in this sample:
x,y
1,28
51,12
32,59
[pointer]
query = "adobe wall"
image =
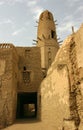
x,y
7,85
61,91
30,58
79,49
48,53
15,76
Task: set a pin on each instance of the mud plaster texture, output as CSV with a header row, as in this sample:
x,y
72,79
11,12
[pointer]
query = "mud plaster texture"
x,y
55,74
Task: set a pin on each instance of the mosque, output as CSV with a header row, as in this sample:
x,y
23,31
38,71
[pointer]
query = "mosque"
x,y
45,81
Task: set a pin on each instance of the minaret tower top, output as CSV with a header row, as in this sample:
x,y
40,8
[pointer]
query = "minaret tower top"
x,y
47,39
46,34
46,15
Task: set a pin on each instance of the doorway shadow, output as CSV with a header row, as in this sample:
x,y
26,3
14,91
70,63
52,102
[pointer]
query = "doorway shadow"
x,y
26,106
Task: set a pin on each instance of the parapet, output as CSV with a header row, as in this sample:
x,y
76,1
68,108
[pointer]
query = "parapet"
x,y
6,46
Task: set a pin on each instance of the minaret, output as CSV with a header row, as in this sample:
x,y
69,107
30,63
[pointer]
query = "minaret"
x,y
47,39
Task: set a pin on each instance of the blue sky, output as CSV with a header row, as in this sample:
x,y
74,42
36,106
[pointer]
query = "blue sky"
x,y
18,18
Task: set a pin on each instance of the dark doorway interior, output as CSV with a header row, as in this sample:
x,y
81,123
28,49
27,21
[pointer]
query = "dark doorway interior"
x,y
26,105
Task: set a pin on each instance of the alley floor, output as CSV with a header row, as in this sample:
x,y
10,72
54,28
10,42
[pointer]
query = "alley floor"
x,y
27,125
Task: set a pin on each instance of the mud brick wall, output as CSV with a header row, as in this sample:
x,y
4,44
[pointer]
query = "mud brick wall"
x,y
6,85
30,59
61,91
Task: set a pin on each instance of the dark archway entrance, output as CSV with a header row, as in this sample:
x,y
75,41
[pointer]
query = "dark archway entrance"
x,y
26,105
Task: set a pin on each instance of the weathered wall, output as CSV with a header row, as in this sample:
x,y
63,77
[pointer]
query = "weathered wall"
x,y
79,50
30,58
48,53
15,76
6,85
61,91
55,99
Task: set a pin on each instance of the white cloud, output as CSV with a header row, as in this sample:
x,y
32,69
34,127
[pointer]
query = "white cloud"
x,y
72,2
68,18
65,27
37,12
18,1
79,9
6,21
27,23
31,3
18,31
1,2
15,33
35,8
27,2
11,2
66,24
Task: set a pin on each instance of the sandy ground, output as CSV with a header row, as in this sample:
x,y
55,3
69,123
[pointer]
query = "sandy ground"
x,y
26,125
29,125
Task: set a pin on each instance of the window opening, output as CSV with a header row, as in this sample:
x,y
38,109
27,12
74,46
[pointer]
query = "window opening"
x,y
24,68
52,33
